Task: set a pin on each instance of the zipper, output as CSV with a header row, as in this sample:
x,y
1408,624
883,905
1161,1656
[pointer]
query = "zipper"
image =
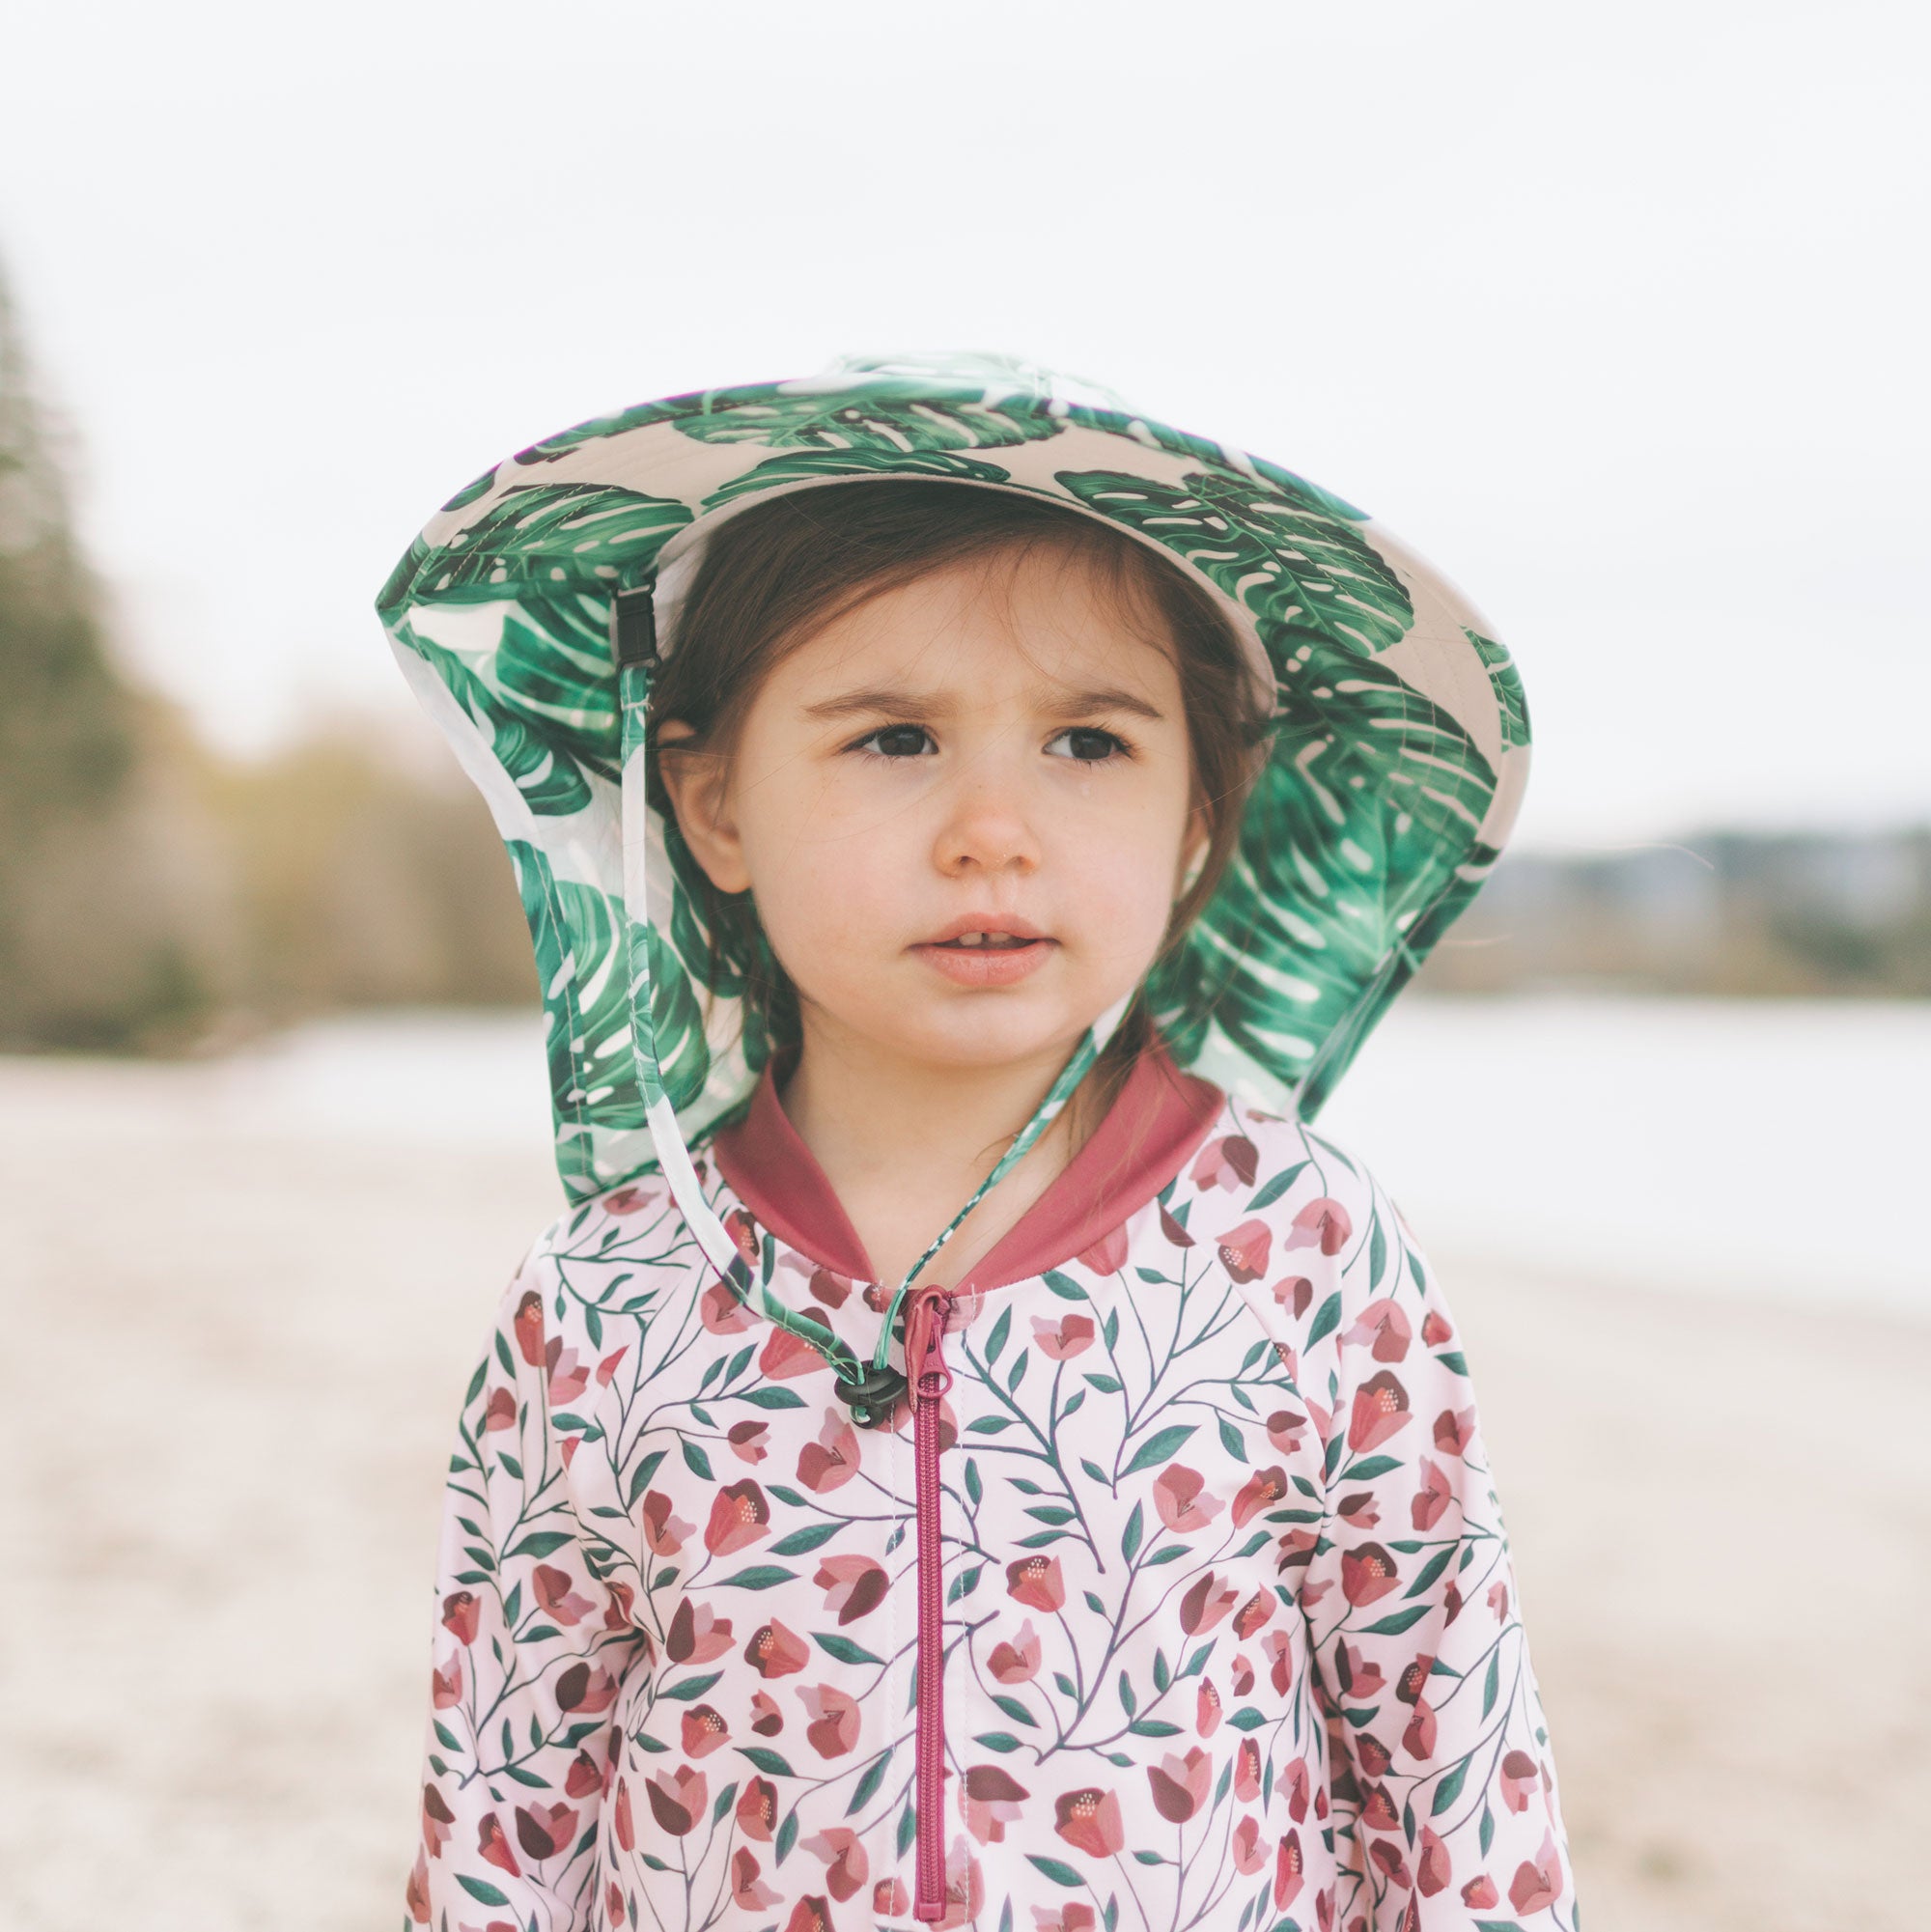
x,y
930,1382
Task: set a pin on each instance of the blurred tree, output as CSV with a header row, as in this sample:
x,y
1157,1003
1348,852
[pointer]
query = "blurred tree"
x,y
109,913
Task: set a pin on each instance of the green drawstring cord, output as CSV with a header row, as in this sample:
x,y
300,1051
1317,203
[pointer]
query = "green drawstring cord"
x,y
870,1388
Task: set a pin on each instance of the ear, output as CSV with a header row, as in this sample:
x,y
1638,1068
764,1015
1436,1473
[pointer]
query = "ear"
x,y
1192,850
699,785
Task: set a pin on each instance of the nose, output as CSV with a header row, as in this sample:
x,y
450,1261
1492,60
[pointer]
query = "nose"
x,y
987,820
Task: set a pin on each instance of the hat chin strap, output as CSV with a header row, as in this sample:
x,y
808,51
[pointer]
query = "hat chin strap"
x,y
633,640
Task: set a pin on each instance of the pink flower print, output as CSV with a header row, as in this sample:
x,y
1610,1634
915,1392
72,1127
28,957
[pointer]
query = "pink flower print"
x,y
1036,1582
891,1900
1089,1821
1386,1854
1284,1429
836,1726
1418,1739
500,1410
1175,1235
446,1684
1265,1488
1179,1495
1298,1784
1435,1328
740,1516
703,1729
664,1531
1368,1572
1248,1858
628,1200
748,1891
994,1799
1498,1600
1380,1411
1290,1871
584,1778
766,1720
758,1811
1540,1884
1244,1251
776,1651
568,1376
1454,1430
613,1903
1520,1773
1360,1675
1070,1335
854,1586
626,1825
1015,1661
1248,1768
495,1847
607,1367
545,1830
1425,1507
1109,1254
1243,1675
742,1229
1324,1221
679,1797
1293,1292
1071,1918
831,1289
436,1820
747,1440
786,1355
1280,1648
1254,1616
1360,1511
721,1312
529,1327
417,1896
1433,1869
1228,1161
582,1688
847,1865
1206,1709
1206,1602
460,1614
1481,1892
617,1613
834,1458
551,1587
1384,1325
1180,1785
697,1633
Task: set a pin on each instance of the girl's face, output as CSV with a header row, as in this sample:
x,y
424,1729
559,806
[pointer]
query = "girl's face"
x,y
989,744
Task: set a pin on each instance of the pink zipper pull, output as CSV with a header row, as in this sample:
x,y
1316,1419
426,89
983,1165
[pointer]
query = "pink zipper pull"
x,y
930,1379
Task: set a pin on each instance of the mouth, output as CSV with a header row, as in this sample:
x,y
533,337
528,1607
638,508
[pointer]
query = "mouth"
x,y
984,956
1002,942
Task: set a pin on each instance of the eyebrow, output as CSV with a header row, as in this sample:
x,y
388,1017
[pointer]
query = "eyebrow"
x,y
895,698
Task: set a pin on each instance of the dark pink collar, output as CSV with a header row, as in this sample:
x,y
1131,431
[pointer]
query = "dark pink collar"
x,y
1160,1116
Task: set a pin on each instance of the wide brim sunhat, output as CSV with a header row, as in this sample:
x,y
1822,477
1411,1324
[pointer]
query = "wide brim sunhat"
x,y
532,610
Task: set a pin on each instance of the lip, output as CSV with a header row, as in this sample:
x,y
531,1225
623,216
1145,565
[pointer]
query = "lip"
x,y
987,965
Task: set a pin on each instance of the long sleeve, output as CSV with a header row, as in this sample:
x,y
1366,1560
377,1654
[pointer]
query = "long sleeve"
x,y
529,1647
1441,1768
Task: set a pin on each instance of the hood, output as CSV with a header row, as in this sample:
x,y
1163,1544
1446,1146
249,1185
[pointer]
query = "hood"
x,y
531,610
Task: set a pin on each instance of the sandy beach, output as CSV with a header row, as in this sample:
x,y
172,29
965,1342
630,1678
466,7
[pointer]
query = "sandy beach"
x,y
236,1349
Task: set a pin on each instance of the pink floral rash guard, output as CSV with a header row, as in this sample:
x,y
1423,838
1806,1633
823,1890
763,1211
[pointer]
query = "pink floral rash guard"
x,y
1229,1629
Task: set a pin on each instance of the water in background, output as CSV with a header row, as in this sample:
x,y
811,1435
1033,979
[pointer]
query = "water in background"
x,y
1746,1148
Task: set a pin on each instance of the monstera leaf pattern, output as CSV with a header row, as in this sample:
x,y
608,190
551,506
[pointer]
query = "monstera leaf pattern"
x,y
1231,1630
1368,834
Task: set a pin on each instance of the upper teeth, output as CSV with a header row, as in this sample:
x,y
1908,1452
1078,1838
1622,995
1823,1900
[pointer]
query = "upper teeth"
x,y
990,938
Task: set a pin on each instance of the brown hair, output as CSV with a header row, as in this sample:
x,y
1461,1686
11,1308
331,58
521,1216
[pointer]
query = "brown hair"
x,y
772,575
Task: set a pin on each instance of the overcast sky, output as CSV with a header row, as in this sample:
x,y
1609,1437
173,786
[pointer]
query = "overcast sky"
x,y
1619,313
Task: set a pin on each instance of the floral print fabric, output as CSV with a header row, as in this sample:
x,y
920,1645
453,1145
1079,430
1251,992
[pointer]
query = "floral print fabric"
x,y
1231,1635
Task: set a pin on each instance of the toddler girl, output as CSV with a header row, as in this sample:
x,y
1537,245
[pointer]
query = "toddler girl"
x,y
934,783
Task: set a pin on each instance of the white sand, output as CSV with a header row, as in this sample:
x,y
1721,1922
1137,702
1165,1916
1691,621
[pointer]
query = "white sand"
x,y
233,1355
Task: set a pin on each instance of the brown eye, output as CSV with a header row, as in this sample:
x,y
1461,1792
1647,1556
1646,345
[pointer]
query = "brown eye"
x,y
896,732
1100,746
